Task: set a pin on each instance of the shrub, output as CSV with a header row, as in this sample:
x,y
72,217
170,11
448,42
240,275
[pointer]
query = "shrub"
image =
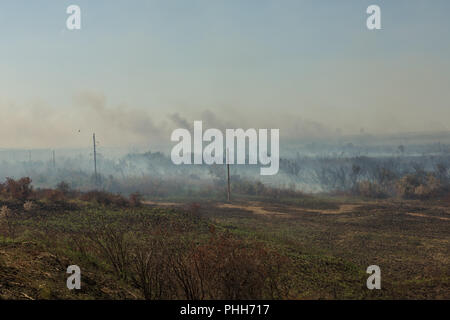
x,y
150,269
51,195
20,189
135,199
63,187
370,190
229,268
419,187
105,198
114,246
28,206
187,272
7,217
5,212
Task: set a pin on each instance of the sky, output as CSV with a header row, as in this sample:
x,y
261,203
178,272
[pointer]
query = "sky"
x,y
138,69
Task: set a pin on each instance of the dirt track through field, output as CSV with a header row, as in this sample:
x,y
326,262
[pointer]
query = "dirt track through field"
x,y
257,209
425,216
253,208
286,212
164,204
261,209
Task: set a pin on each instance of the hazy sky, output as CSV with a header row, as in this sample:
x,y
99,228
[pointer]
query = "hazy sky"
x,y
138,69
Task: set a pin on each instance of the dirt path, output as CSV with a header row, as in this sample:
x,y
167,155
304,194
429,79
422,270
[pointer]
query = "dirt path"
x,y
261,209
425,216
164,204
343,208
258,209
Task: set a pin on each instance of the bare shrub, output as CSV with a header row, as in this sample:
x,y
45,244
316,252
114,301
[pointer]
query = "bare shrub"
x,y
7,216
135,199
188,273
233,269
150,269
370,190
114,245
105,198
50,195
420,186
28,206
63,187
18,190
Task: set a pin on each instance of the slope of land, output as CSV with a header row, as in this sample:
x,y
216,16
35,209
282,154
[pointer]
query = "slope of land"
x,y
328,244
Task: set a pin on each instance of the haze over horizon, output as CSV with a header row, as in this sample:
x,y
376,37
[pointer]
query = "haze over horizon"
x,y
135,71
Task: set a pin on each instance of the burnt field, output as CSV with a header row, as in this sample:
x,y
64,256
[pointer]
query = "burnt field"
x,y
305,247
333,240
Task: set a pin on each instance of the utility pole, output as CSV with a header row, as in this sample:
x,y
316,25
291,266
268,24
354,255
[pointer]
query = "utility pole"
x,y
54,160
228,178
95,160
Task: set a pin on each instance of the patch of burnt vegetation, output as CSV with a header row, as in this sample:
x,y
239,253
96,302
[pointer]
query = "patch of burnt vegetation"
x,y
20,194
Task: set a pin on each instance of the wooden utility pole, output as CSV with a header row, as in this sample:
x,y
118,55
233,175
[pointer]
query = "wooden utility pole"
x,y
228,178
95,160
54,160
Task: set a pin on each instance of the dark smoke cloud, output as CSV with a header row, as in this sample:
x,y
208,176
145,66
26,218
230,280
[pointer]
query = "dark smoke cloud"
x,y
122,118
180,121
